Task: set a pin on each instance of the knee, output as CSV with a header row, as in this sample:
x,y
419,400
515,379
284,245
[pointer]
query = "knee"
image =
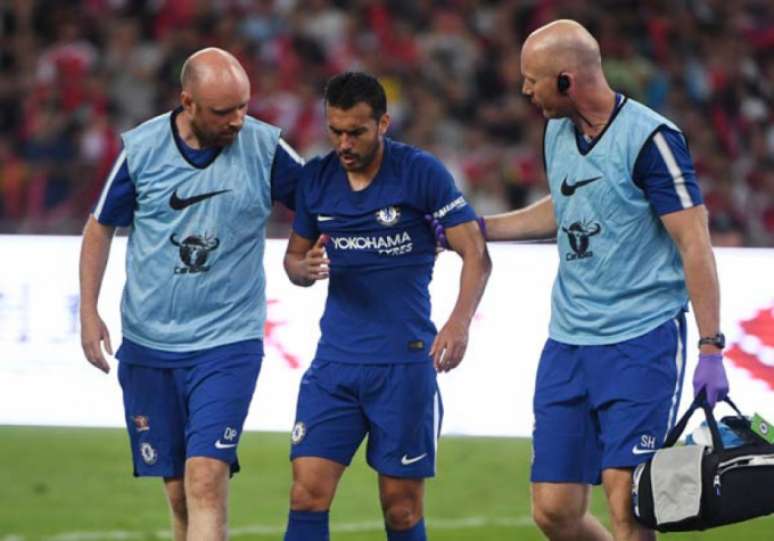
x,y
308,496
555,520
401,515
401,509
206,483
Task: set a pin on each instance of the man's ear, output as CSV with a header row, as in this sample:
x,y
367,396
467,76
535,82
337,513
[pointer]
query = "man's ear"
x,y
384,124
187,102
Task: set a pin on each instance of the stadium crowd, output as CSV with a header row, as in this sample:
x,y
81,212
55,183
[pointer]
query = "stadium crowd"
x,y
75,74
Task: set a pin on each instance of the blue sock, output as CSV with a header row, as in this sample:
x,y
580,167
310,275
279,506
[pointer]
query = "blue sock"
x,y
307,526
415,533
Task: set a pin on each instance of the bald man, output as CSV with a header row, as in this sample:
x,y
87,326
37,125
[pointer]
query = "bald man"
x,y
195,186
634,250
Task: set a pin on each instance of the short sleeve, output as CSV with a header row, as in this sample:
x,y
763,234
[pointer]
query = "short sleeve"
x,y
285,174
304,223
117,200
664,170
445,202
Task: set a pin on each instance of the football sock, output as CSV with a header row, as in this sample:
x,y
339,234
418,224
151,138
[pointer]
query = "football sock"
x,y
308,526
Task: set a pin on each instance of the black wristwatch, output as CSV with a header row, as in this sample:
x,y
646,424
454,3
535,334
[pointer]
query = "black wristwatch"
x,y
719,341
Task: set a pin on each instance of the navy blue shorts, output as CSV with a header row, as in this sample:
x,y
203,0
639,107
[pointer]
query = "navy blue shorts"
x,y
173,414
397,405
609,406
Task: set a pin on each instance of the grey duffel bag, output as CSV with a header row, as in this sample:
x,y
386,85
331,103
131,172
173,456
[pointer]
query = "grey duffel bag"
x,y
695,487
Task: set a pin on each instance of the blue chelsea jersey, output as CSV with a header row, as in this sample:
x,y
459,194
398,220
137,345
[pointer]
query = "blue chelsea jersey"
x,y
381,250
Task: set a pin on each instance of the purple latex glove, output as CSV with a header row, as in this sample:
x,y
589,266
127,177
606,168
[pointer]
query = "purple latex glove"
x,y
710,375
440,233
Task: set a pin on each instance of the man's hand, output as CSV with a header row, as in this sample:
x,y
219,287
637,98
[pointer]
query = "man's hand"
x,y
710,375
93,333
449,346
315,265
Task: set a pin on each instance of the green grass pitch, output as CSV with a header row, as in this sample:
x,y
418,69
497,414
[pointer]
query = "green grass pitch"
x,y
68,484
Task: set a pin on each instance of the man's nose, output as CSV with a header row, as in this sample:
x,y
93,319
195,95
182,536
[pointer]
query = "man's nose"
x,y
345,142
237,121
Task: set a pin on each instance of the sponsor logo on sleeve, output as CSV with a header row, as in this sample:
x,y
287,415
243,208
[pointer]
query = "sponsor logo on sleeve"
x,y
446,209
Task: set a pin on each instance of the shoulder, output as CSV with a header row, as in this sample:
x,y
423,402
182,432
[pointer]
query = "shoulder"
x,y
318,171
253,124
412,161
644,115
157,123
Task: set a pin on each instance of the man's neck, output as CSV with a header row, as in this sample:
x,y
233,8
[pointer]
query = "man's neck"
x,y
185,131
593,116
360,180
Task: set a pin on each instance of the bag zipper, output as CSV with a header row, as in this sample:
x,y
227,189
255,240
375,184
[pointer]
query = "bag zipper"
x,y
745,461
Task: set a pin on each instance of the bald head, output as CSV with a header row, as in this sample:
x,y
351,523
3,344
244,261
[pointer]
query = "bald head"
x,y
563,45
212,70
215,95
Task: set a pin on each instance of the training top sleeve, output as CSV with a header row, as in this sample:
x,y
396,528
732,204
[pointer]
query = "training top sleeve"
x,y
664,170
285,174
117,201
444,200
304,222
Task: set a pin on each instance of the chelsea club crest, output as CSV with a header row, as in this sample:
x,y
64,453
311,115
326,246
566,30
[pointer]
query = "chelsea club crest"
x,y
388,216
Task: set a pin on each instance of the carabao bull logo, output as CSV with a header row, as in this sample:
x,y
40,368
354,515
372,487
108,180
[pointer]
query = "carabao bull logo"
x,y
754,351
194,251
579,234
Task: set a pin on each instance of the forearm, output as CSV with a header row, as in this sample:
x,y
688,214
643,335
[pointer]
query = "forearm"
x,y
294,269
534,222
702,282
95,250
476,267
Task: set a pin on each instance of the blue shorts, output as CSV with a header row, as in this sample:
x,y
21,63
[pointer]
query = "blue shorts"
x,y
609,406
397,405
196,411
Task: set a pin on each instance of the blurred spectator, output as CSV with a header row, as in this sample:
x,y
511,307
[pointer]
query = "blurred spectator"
x,y
76,74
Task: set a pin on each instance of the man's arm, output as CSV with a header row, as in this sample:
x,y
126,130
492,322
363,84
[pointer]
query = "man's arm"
x,y
690,232
286,171
450,344
534,222
306,262
95,249
688,228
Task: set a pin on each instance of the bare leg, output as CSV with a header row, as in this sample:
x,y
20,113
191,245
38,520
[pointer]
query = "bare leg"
x,y
561,511
401,501
618,488
314,483
175,490
206,492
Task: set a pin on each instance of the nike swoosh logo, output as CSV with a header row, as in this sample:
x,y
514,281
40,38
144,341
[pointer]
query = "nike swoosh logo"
x,y
321,218
219,445
569,189
637,451
405,460
178,203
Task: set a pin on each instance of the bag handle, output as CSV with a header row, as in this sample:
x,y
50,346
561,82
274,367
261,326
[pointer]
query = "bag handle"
x,y
700,402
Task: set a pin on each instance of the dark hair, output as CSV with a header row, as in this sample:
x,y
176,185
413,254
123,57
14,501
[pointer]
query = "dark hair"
x,y
347,89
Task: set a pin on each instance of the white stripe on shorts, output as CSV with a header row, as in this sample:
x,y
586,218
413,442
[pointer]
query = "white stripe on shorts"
x,y
436,425
680,364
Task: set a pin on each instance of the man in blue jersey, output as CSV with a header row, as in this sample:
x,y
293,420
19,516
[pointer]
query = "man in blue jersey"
x,y
195,187
360,222
634,249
